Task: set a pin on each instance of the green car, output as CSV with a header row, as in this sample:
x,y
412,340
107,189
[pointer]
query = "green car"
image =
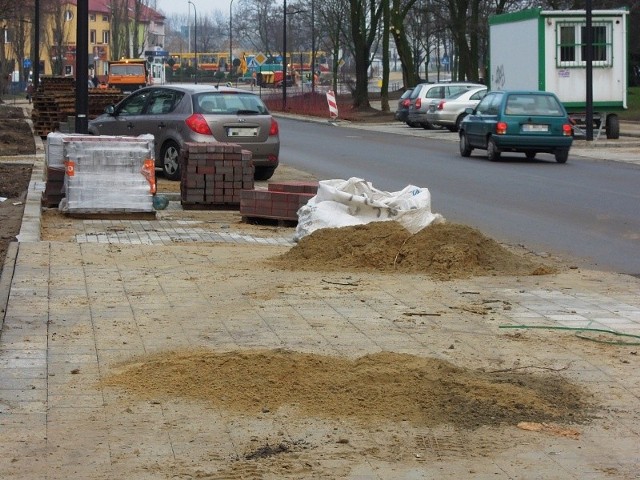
x,y
528,122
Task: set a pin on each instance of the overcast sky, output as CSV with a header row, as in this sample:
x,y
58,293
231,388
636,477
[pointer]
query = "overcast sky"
x,y
203,7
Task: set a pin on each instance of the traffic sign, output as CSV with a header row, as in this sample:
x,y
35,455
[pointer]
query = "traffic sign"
x,y
260,58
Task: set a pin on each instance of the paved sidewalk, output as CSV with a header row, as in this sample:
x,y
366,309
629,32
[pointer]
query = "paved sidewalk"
x,y
76,309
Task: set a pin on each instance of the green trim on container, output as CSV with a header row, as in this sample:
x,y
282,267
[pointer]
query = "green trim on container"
x,y
608,106
527,14
608,12
626,62
542,82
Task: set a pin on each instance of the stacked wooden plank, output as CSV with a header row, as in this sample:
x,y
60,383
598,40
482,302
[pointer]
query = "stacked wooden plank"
x,y
55,101
214,175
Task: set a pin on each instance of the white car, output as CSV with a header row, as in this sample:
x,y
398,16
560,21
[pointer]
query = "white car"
x,y
424,93
450,111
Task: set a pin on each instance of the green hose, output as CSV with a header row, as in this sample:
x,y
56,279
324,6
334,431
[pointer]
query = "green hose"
x,y
578,331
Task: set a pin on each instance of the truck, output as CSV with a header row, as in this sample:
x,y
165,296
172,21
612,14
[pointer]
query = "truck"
x,y
128,74
545,50
273,79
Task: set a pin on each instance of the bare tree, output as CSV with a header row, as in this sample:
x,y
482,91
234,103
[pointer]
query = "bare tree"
x,y
333,16
139,26
258,23
56,37
175,40
7,15
365,17
119,30
398,14
21,23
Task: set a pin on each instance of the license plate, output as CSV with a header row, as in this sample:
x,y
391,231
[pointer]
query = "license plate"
x,y
532,127
242,132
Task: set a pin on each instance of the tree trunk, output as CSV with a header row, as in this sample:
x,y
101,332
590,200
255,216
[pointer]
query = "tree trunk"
x,y
403,47
384,92
364,25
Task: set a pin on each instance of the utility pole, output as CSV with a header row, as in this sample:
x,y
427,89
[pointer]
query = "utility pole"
x,y
82,67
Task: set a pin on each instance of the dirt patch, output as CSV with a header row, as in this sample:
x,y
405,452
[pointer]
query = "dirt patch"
x,y
379,387
14,184
16,137
442,250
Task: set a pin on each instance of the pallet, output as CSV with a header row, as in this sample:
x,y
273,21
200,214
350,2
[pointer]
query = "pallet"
x,y
209,206
279,222
110,215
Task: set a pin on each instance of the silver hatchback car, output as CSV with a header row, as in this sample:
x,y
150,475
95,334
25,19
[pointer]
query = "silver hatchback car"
x,y
450,111
176,114
424,93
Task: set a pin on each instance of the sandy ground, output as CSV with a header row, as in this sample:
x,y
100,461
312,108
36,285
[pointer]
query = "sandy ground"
x,y
221,361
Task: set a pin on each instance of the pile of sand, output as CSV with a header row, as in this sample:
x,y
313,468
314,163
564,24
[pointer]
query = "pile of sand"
x,y
379,387
441,250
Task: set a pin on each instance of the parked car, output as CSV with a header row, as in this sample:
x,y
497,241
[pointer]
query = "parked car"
x,y
176,114
450,111
422,95
529,122
403,106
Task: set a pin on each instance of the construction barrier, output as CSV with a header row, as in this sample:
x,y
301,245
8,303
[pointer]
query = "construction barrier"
x,y
333,106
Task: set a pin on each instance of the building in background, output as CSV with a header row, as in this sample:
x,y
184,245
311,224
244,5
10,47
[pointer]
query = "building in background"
x,y
117,28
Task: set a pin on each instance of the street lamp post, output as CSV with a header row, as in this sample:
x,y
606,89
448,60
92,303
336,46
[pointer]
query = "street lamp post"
x,y
284,54
195,40
313,49
284,58
36,45
230,34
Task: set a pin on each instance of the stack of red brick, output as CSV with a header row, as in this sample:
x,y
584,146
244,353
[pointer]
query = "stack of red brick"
x,y
214,174
280,202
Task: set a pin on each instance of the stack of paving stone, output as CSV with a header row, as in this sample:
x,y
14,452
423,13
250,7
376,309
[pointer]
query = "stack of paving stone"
x,y
108,175
281,201
214,175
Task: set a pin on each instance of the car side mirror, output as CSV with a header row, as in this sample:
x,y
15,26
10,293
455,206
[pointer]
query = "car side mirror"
x,y
469,111
110,110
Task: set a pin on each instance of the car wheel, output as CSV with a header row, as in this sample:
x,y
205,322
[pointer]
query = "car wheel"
x,y
612,127
493,153
459,121
170,160
412,124
264,173
465,148
562,155
426,126
530,155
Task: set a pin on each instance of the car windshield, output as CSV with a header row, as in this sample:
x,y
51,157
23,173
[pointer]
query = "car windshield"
x,y
533,104
406,94
226,103
127,69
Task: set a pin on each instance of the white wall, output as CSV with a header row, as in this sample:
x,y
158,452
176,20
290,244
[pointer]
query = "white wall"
x,y
609,83
514,55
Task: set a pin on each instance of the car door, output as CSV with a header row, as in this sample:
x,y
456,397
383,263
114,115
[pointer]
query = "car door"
x,y
126,118
157,118
483,120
